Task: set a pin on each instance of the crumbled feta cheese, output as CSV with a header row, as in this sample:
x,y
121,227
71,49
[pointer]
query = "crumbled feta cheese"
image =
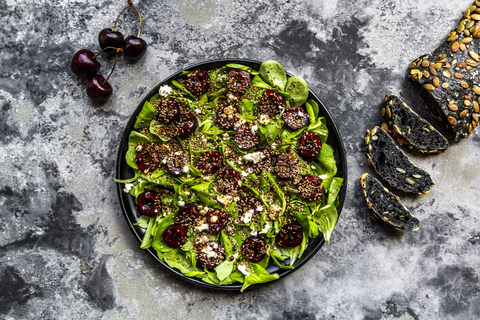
x,y
274,146
264,119
201,240
186,169
164,161
139,148
254,232
256,157
197,111
128,187
313,167
165,91
177,153
181,203
239,123
247,216
244,174
260,208
209,251
225,136
243,269
230,96
254,129
266,227
201,227
236,199
323,176
224,199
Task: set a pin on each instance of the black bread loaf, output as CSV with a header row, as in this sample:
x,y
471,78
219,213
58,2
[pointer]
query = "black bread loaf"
x,y
393,165
409,128
386,206
447,78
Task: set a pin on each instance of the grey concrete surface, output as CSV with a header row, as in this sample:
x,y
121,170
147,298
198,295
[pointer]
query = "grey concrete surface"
x,y
66,251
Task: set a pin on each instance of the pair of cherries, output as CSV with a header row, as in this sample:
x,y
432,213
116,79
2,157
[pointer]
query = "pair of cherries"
x,y
84,63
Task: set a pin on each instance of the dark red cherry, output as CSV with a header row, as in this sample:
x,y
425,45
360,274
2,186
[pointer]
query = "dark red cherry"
x,y
295,118
84,64
198,83
149,203
226,115
187,124
291,235
109,38
238,81
210,162
216,219
287,166
147,160
175,236
211,254
176,163
246,138
168,111
272,103
310,144
187,216
264,163
98,89
134,48
254,249
310,187
229,180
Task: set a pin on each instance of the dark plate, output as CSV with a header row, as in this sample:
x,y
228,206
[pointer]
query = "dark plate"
x,y
127,202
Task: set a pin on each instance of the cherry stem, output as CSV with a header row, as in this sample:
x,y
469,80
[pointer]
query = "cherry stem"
x,y
129,4
139,15
104,50
113,68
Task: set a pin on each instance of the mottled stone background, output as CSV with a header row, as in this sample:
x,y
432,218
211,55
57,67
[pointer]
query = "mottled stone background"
x,y
66,251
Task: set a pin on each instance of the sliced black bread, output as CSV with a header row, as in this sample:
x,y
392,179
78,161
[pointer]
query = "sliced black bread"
x,y
393,165
409,128
447,78
386,206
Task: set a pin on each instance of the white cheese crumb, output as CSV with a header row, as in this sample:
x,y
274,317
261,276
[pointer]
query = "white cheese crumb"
x,y
165,91
274,146
260,208
236,199
224,199
128,187
264,119
201,227
208,250
254,232
164,161
254,129
239,123
244,173
323,176
256,157
201,240
266,227
181,203
230,96
186,169
243,269
176,153
313,167
247,216
197,111
139,148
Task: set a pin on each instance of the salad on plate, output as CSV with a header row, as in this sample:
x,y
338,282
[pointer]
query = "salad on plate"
x,y
232,173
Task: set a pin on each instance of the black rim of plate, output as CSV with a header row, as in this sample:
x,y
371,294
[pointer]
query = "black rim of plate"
x,y
127,203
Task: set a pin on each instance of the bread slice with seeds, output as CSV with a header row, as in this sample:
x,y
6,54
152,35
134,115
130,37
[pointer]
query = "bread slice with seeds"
x,y
386,206
393,165
409,128
447,77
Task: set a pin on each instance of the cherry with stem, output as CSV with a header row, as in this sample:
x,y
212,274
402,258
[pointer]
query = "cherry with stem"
x,y
84,63
98,88
112,38
134,46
